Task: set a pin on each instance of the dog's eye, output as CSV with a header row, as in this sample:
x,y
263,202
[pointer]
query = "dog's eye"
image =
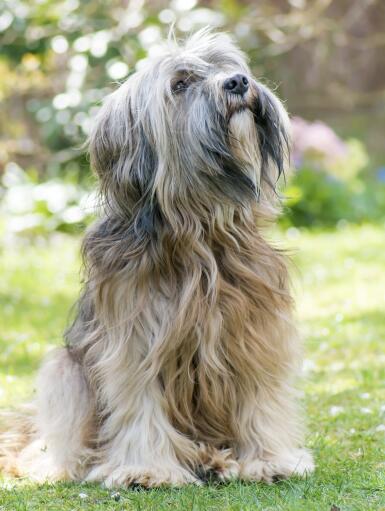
x,y
179,86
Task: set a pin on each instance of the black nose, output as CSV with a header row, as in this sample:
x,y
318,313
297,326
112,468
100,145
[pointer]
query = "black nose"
x,y
237,84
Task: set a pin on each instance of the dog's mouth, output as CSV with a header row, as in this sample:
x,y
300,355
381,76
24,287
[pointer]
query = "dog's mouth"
x,y
240,104
239,109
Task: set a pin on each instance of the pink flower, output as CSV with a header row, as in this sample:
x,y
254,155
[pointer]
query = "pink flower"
x,y
317,141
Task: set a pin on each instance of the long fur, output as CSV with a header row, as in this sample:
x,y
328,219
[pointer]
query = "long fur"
x,y
183,353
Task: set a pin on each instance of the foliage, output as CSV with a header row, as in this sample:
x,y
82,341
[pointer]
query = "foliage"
x,y
341,311
330,182
32,208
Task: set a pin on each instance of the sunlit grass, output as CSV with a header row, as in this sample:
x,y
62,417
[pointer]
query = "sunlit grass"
x,y
37,287
340,288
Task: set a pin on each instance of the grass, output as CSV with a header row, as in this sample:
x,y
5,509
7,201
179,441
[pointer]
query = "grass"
x,y
341,298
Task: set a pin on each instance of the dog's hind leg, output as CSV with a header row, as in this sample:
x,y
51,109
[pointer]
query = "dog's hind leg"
x,y
63,422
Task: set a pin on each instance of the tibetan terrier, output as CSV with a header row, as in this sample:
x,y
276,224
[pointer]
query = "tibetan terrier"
x,y
181,360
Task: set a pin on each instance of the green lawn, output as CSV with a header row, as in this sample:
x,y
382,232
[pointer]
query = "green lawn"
x,y
341,307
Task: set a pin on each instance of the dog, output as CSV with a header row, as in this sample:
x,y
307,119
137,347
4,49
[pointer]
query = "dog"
x,y
183,356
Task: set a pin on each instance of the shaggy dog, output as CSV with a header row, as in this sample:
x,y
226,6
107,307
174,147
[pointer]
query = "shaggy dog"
x,y
182,356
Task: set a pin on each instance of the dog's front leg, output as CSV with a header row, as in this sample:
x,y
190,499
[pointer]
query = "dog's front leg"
x,y
139,445
271,436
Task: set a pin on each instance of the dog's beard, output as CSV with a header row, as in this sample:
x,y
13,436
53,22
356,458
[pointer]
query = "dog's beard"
x,y
244,144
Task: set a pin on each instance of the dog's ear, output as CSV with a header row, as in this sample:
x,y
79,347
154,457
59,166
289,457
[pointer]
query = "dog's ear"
x,y
273,126
124,160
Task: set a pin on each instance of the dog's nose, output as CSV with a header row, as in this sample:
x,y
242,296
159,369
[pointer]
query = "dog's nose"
x,y
237,84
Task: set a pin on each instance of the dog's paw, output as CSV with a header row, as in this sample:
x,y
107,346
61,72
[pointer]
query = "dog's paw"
x,y
217,464
37,463
228,470
148,477
298,462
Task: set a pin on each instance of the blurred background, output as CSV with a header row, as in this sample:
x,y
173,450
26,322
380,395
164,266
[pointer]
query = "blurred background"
x,y
59,58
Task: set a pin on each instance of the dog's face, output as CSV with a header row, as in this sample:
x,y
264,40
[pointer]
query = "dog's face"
x,y
193,127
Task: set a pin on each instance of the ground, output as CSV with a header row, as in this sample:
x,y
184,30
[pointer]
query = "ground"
x,y
340,287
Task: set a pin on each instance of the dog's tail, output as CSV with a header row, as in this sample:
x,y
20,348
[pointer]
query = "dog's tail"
x,y
17,429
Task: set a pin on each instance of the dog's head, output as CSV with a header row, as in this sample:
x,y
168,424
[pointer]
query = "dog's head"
x,y
191,130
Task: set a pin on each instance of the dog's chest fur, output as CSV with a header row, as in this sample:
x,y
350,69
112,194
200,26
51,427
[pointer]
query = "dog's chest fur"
x,y
224,344
205,316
